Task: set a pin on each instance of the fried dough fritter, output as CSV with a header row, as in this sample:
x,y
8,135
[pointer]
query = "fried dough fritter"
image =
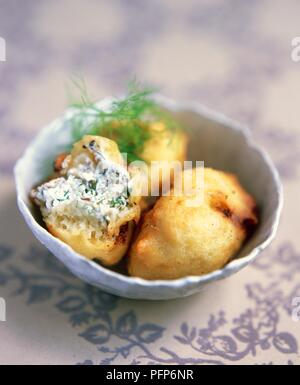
x,y
161,151
176,240
87,204
164,144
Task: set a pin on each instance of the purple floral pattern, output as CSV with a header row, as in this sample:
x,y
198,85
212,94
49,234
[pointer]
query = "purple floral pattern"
x,y
220,341
142,24
256,55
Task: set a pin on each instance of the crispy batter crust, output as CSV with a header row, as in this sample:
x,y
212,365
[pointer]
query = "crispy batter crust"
x,y
176,240
84,237
109,251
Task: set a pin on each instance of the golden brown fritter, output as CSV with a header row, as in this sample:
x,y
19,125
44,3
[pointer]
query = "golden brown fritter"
x,y
164,147
177,240
164,144
85,206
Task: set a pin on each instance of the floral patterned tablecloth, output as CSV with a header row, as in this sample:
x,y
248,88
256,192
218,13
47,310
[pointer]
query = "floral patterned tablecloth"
x,y
234,56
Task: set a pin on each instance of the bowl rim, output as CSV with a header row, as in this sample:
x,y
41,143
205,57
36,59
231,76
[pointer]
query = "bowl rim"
x,y
190,280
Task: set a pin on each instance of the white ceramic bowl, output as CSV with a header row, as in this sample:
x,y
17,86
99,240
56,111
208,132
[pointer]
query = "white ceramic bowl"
x,y
220,142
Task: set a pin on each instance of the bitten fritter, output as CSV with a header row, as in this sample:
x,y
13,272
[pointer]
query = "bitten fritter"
x,y
178,239
88,203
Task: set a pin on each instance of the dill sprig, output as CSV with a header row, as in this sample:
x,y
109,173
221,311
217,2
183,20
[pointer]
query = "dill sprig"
x,y
125,121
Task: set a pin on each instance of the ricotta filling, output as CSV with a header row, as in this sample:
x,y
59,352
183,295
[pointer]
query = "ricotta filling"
x,y
97,190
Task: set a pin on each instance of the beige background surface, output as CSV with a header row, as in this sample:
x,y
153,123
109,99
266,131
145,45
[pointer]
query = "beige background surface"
x,y
234,56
